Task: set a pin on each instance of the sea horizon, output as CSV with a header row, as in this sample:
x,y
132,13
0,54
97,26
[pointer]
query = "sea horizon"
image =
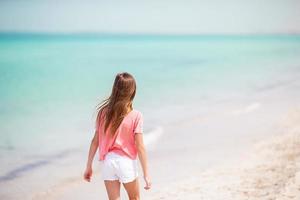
x,y
144,34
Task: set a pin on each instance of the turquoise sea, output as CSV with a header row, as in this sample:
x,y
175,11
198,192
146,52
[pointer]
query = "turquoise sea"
x,y
51,84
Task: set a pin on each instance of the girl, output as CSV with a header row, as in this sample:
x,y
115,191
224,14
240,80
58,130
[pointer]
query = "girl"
x,y
119,136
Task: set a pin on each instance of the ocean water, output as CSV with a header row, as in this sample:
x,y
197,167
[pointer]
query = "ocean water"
x,y
51,84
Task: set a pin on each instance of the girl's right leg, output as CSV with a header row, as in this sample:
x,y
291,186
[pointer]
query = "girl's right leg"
x,y
113,189
132,189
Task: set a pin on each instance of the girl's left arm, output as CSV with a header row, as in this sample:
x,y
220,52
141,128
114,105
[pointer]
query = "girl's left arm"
x,y
92,152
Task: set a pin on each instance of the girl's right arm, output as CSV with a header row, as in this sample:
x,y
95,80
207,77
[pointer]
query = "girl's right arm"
x,y
143,158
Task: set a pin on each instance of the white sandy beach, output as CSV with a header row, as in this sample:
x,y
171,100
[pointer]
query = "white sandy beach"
x,y
259,167
270,171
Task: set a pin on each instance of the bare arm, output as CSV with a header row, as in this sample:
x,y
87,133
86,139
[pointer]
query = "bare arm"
x,y
92,151
143,158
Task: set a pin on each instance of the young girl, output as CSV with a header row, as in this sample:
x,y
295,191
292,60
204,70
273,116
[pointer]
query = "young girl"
x,y
119,136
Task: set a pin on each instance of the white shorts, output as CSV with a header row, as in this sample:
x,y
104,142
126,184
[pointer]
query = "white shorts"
x,y
117,167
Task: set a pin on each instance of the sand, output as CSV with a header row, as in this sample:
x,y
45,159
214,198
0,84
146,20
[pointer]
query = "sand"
x,y
271,171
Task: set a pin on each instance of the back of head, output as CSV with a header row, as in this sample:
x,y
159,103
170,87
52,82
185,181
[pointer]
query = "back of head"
x,y
119,103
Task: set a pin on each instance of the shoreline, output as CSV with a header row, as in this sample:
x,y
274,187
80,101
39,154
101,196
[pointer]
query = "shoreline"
x,y
174,152
268,169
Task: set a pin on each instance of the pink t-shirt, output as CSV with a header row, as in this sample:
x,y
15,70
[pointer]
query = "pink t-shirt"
x,y
123,142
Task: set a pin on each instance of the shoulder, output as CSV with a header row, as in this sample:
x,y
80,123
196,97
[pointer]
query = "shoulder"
x,y
137,113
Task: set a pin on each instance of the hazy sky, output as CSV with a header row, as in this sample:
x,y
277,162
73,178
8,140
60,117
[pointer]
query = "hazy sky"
x,y
151,16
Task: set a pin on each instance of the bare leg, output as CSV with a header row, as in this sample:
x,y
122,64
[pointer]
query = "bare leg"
x,y
113,189
132,189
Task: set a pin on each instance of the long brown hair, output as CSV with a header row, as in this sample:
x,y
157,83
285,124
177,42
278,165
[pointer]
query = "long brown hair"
x,y
119,102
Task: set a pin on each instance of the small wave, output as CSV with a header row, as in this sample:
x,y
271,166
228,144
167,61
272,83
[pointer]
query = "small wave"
x,y
151,137
21,170
250,108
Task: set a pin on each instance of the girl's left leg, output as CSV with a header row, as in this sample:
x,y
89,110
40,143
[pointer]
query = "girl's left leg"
x,y
113,189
